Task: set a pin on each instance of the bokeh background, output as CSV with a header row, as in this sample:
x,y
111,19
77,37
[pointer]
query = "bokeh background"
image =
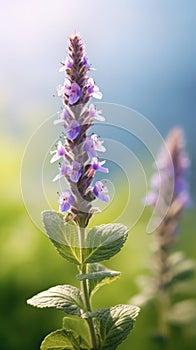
x,y
144,52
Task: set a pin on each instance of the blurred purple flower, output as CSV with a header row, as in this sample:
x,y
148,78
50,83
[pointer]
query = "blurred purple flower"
x,y
172,166
66,200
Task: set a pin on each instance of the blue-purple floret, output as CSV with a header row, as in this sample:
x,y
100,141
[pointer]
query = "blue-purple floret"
x,y
101,191
73,130
66,200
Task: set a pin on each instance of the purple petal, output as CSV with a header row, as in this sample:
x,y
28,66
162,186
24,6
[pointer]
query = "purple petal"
x,y
89,148
94,114
66,199
96,165
65,64
98,143
86,63
73,130
64,206
76,172
93,90
100,191
60,152
74,93
64,170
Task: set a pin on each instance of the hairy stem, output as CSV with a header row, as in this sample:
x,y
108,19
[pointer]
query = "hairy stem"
x,y
163,294
85,292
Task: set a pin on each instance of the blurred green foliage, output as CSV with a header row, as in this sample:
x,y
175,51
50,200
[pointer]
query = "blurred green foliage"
x,y
30,264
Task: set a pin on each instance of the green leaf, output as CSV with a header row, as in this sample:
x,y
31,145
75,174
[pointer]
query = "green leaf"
x,y
104,241
181,268
183,313
98,275
184,270
114,324
57,340
63,297
79,326
63,340
64,235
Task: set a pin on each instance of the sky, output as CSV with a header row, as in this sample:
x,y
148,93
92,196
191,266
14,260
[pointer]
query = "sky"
x,y
144,53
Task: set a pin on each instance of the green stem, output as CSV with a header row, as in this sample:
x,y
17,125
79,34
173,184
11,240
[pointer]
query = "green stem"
x,y
163,314
85,292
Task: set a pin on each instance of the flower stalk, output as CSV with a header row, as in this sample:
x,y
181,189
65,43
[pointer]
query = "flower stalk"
x,y
83,269
78,154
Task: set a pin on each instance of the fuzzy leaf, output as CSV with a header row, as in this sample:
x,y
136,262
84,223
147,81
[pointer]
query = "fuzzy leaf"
x,y
63,297
98,275
114,324
104,241
64,235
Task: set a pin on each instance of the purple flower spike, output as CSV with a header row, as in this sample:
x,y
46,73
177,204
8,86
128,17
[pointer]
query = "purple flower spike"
x,y
79,151
96,165
75,172
100,191
73,130
60,152
66,200
64,170
74,93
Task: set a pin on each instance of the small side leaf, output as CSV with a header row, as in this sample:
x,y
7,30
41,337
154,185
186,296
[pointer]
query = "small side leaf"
x,y
98,275
114,324
64,235
63,297
183,270
57,340
104,241
78,326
